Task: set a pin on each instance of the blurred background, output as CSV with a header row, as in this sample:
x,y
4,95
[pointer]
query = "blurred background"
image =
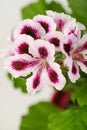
x,y
14,103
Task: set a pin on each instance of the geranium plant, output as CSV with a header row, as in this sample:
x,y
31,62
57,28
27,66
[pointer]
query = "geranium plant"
x,y
49,48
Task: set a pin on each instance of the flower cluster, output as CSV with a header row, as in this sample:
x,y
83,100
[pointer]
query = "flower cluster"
x,y
33,47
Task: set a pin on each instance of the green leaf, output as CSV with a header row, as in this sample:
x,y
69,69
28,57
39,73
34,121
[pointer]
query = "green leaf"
x,y
79,10
18,83
37,117
55,6
79,93
72,119
78,90
33,9
40,7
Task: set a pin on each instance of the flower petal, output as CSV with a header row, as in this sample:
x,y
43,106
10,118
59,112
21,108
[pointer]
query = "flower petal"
x,y
56,38
36,81
54,76
83,64
29,27
20,65
22,43
61,19
43,49
66,48
82,46
73,27
68,61
46,22
73,73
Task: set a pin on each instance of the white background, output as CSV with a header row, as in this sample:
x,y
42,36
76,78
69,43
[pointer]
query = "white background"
x,y
13,103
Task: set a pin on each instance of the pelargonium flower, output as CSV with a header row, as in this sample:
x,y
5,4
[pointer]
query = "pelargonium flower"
x,y
66,24
76,55
41,63
34,46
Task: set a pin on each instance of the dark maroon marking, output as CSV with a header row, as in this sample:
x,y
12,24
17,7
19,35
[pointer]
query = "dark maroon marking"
x,y
81,48
44,25
84,62
55,41
67,48
19,65
33,63
36,82
72,32
52,74
43,52
85,45
60,24
23,48
74,69
28,30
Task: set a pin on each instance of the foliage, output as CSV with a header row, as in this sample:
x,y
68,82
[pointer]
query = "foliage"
x,y
74,118
79,9
18,83
39,8
37,117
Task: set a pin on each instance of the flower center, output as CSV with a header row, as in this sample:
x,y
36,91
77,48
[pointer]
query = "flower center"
x,y
77,56
42,63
